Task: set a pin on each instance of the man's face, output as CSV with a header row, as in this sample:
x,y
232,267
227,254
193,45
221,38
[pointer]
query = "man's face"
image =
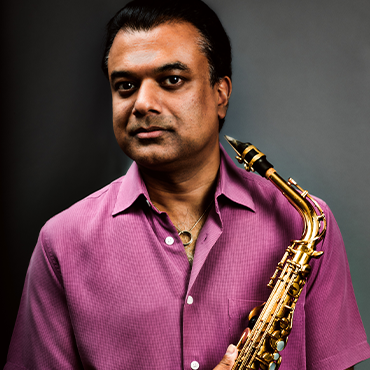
x,y
165,112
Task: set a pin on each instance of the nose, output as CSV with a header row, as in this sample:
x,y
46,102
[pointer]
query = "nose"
x,y
147,99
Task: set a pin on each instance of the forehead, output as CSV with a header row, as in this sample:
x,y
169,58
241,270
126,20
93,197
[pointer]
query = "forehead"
x,y
166,43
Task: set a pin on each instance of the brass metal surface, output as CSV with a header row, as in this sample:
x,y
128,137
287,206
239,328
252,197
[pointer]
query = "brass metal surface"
x,y
261,348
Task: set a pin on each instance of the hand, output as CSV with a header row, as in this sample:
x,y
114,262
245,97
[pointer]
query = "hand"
x,y
228,360
231,354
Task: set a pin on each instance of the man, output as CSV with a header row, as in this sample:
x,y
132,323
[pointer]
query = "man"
x,y
160,268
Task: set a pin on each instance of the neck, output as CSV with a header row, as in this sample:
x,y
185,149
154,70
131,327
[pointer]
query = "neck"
x,y
184,193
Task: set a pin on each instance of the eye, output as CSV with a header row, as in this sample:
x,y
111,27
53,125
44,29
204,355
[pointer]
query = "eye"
x,y
124,86
172,81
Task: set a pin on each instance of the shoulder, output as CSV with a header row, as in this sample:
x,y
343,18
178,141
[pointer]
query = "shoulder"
x,y
85,213
250,189
101,199
270,205
262,191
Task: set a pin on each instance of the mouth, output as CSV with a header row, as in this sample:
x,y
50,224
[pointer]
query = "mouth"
x,y
151,132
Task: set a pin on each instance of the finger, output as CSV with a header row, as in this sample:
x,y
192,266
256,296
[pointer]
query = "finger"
x,y
243,338
228,360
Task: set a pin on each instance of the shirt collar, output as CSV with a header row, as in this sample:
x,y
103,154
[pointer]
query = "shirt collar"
x,y
231,184
132,186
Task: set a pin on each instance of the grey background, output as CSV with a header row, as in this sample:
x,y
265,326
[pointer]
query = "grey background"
x,y
301,94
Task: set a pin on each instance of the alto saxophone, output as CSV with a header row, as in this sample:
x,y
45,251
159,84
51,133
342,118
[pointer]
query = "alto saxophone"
x,y
270,324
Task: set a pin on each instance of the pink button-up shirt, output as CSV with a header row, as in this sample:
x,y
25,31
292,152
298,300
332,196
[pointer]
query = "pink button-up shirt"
x,y
109,285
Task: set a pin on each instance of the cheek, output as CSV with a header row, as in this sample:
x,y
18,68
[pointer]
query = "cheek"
x,y
195,107
120,113
204,109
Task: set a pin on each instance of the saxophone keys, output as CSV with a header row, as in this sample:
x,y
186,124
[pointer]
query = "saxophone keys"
x,y
305,271
270,360
280,345
276,341
268,357
248,168
294,290
255,313
294,183
317,254
304,194
274,365
285,323
271,283
243,339
278,363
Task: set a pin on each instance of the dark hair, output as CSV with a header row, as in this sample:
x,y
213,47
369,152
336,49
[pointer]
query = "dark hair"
x,y
143,15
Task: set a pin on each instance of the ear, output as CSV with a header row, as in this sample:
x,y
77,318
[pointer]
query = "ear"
x,y
224,88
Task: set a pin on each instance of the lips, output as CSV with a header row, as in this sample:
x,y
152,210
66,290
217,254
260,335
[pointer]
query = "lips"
x,y
149,132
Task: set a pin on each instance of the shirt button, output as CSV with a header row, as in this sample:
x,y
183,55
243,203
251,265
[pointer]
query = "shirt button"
x,y
194,365
190,301
169,240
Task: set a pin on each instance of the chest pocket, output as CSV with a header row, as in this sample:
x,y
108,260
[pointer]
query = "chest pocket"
x,y
239,310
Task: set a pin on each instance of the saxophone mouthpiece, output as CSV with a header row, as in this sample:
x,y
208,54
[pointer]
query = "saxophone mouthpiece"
x,y
230,140
237,145
248,154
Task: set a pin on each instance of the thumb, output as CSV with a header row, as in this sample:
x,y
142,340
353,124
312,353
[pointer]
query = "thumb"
x,y
228,360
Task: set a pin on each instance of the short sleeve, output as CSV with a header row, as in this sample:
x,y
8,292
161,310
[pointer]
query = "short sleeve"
x,y
335,336
43,336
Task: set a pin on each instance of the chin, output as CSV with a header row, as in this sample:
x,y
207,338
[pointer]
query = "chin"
x,y
152,158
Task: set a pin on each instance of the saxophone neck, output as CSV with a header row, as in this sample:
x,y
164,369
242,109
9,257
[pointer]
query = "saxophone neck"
x,y
310,211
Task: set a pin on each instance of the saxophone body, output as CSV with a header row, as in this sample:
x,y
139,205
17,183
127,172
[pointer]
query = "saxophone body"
x,y
270,324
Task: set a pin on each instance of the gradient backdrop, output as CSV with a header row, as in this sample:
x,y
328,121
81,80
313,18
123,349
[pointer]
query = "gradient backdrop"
x,y
301,94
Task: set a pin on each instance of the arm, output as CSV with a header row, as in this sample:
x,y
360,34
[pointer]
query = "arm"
x,y
43,332
331,308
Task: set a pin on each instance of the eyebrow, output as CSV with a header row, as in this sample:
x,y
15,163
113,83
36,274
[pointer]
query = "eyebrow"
x,y
172,66
118,74
166,67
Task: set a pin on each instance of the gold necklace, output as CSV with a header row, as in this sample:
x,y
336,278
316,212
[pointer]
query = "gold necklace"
x,y
188,232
